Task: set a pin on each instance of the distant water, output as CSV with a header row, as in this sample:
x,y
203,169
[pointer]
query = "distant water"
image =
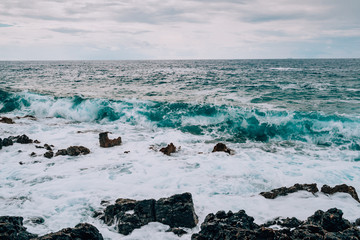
x,y
288,121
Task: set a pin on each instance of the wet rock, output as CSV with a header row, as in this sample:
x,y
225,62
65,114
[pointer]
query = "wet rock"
x,y
33,154
284,222
11,228
36,141
341,188
331,220
327,225
61,152
176,211
129,214
357,222
170,148
77,150
177,231
6,120
23,139
105,142
82,231
37,220
7,142
227,226
47,147
283,191
221,147
0,143
49,154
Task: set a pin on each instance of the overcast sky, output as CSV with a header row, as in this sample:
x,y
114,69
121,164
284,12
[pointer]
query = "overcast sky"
x,y
189,29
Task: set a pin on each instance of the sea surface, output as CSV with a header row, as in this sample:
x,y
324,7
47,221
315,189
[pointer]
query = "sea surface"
x,y
288,121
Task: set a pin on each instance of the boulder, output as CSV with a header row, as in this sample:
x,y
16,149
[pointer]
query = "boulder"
x,y
170,148
331,220
340,188
128,214
6,120
7,142
105,142
283,191
221,147
23,139
62,152
49,154
11,228
77,150
82,231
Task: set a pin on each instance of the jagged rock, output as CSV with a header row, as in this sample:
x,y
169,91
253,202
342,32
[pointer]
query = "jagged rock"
x,y
170,148
77,150
33,154
226,226
37,220
283,191
105,142
6,120
23,139
82,231
11,228
176,211
331,220
221,147
62,152
341,188
357,222
177,231
327,225
129,214
49,154
7,142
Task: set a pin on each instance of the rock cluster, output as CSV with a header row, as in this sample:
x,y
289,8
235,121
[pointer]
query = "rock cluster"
x,y
127,214
320,226
11,228
283,191
105,142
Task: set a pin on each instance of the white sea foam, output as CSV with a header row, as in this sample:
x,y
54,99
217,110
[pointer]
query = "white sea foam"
x,y
65,190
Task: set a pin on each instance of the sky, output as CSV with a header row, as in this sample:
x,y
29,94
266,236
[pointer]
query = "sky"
x,y
178,29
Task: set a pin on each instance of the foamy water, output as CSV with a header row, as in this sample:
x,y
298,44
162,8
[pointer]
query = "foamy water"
x,y
274,146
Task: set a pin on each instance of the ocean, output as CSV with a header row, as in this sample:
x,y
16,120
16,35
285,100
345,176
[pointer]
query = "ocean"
x,y
288,121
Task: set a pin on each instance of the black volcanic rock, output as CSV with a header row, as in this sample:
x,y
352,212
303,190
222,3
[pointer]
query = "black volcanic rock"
x,y
327,225
128,214
283,191
61,152
6,120
341,188
7,142
23,139
82,231
49,154
11,228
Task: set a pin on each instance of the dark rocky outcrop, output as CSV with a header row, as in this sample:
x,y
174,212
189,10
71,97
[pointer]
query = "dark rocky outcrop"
x,y
341,188
284,222
170,148
7,142
49,154
177,231
128,214
77,150
221,147
23,139
82,231
6,120
105,142
11,228
283,191
73,151
327,225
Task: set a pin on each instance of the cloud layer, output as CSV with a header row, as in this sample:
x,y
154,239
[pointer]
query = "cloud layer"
x,y
188,29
